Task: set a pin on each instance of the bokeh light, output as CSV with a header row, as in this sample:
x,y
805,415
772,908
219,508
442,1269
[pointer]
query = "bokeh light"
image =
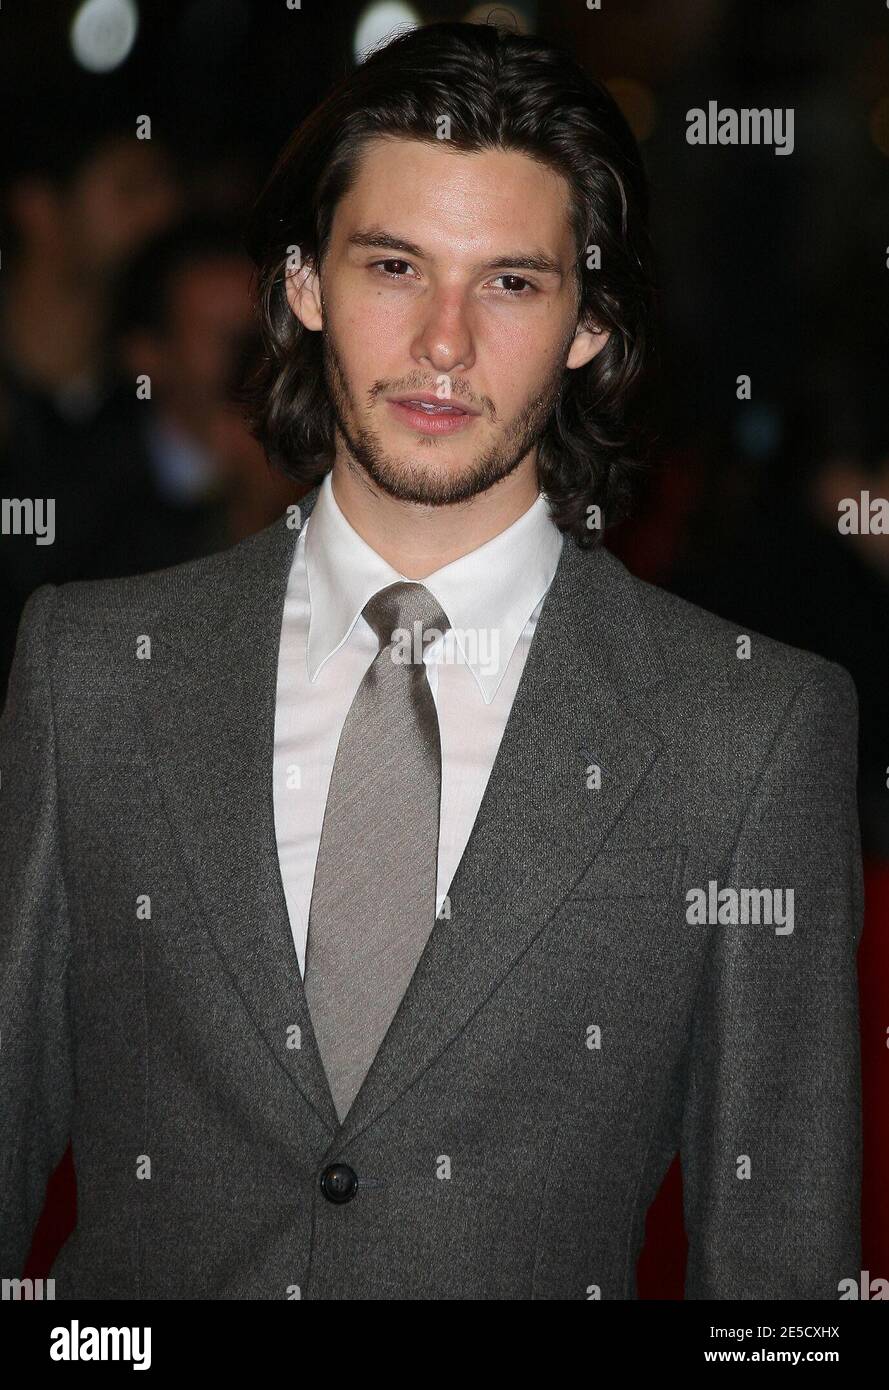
x,y
379,22
103,33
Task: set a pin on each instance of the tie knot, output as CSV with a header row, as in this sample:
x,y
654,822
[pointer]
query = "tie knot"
x,y
406,615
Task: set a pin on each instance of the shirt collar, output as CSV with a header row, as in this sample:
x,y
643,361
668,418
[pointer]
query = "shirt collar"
x,y
493,589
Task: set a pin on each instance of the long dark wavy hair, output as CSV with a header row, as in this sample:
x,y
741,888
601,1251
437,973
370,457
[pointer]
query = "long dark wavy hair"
x,y
501,90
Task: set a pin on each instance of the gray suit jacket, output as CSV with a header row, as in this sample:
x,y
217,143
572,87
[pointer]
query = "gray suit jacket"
x,y
567,1029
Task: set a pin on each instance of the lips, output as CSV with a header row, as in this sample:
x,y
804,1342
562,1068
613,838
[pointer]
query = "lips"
x,y
427,414
432,405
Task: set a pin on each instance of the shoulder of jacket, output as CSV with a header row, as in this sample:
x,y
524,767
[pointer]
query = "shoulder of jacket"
x,y
704,652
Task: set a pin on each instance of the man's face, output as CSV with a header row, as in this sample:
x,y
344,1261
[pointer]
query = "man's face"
x,y
209,323
210,319
124,195
452,275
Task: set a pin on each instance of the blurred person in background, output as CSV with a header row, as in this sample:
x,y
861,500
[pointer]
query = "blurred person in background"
x,y
186,325
76,211
125,330
77,205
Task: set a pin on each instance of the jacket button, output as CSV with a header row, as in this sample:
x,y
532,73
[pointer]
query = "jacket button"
x,y
339,1183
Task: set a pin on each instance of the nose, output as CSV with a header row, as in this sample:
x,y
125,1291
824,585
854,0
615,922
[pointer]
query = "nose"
x,y
443,340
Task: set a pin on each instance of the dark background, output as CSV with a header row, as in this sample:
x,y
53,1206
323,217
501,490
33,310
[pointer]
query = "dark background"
x,y
770,265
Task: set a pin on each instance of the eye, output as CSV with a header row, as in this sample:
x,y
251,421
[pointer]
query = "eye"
x,y
516,280
391,275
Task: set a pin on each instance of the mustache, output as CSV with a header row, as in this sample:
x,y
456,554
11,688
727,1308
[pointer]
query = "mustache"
x,y
460,391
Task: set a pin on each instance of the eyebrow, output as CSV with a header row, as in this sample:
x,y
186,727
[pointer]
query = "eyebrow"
x,y
379,238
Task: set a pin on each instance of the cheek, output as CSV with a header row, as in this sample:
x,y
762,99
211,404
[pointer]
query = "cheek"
x,y
516,356
386,324
368,307
370,333
358,352
538,334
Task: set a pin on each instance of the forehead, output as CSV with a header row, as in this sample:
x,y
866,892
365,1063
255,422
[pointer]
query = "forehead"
x,y
445,199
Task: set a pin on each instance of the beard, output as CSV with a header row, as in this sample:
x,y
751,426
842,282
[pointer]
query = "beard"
x,y
421,480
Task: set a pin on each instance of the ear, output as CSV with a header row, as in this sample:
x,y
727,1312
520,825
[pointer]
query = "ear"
x,y
588,342
303,288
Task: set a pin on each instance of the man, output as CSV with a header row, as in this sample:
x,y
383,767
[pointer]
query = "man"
x,y
389,897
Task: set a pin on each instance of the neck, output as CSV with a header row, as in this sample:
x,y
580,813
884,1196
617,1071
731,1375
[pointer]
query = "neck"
x,y
418,539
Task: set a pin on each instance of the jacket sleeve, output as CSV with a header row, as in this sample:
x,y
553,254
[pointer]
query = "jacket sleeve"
x,y
771,1130
36,1067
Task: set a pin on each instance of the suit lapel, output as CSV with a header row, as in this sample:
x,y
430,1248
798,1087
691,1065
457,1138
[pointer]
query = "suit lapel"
x,y
208,698
208,701
539,824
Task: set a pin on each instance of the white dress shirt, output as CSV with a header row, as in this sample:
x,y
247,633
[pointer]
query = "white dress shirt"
x,y
492,597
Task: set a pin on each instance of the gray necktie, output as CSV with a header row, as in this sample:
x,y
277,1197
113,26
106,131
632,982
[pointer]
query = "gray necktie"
x,y
374,892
